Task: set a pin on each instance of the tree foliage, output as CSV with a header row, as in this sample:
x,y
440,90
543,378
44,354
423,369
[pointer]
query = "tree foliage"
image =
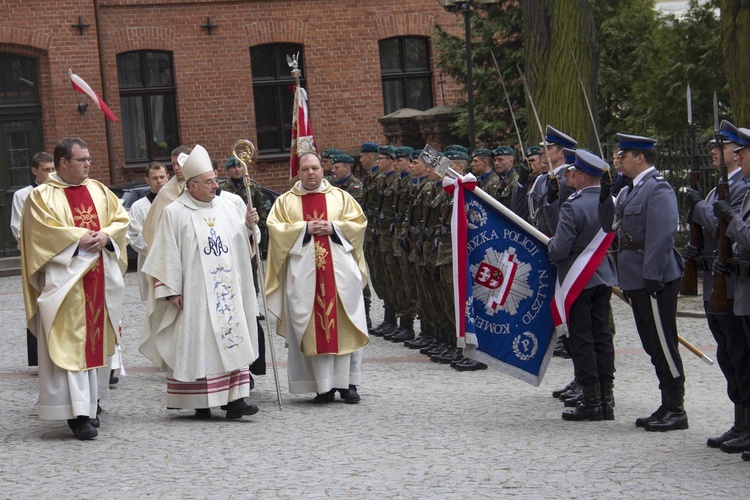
x,y
735,30
645,61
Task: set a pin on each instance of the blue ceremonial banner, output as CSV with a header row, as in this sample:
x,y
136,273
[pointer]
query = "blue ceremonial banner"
x,y
505,288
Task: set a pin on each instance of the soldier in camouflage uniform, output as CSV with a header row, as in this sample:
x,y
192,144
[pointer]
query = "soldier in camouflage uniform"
x,y
384,239
342,172
369,159
503,158
483,169
234,183
325,161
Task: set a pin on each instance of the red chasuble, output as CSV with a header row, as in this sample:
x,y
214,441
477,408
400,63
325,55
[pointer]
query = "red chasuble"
x,y
85,216
324,310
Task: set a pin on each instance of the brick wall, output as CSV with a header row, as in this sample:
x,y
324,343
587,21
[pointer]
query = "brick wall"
x,y
212,73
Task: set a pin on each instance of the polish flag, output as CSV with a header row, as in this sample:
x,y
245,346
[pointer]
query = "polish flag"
x,y
80,86
303,140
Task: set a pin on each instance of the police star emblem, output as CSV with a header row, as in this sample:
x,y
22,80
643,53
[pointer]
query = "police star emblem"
x,y
500,281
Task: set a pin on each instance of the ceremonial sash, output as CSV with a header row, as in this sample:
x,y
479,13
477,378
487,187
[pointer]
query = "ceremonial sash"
x,y
85,216
324,306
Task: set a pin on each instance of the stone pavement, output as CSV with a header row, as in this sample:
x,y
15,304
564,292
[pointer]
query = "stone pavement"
x,y
422,430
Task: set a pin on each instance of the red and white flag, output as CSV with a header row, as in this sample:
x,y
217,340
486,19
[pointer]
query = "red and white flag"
x,y
80,86
303,140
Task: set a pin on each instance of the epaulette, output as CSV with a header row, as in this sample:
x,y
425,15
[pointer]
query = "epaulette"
x,y
659,178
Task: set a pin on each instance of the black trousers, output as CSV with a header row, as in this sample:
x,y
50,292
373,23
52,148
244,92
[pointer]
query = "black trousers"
x,y
664,352
732,352
590,341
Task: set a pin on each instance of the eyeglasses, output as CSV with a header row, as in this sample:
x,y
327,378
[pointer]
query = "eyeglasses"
x,y
208,182
83,160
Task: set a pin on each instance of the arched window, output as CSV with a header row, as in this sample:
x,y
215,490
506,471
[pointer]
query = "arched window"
x,y
274,99
148,105
406,73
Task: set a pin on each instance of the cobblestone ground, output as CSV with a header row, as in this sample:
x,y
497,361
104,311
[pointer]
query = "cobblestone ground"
x,y
421,430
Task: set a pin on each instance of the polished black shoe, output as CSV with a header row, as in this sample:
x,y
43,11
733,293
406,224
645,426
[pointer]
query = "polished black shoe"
x,y
326,397
435,356
205,413
449,355
470,366
82,428
583,412
113,379
737,445
559,392
238,409
573,393
560,351
352,396
716,442
95,422
395,331
642,421
670,421
746,456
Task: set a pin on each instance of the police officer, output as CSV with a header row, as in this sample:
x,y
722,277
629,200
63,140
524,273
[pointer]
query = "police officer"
x,y
590,339
731,348
738,230
548,190
645,217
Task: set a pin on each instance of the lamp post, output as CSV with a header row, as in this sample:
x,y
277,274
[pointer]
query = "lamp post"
x,y
465,7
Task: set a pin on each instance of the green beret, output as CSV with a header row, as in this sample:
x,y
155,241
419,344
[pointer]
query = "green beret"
x,y
481,152
369,147
415,154
330,153
504,151
386,150
342,159
456,155
457,147
403,152
232,161
533,150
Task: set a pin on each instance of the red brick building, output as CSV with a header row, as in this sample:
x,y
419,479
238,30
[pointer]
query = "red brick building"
x,y
208,72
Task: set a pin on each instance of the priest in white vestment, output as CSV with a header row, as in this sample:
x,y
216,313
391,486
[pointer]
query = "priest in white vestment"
x,y
73,238
315,277
201,314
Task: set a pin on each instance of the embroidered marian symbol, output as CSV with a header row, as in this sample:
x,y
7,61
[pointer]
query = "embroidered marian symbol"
x,y
214,245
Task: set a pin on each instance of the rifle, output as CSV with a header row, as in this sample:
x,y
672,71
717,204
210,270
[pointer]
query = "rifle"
x,y
425,216
717,303
406,241
690,280
381,193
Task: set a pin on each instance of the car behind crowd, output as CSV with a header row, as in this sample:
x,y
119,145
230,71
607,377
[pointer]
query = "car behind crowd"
x,y
132,191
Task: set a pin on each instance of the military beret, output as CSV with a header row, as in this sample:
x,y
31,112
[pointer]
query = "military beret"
x,y
342,158
456,155
369,147
232,161
744,138
457,147
635,142
554,136
481,152
415,154
504,151
533,150
330,153
386,150
588,162
729,132
402,152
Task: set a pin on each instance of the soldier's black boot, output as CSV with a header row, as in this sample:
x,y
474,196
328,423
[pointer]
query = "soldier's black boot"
x,y
388,324
589,408
674,417
426,336
404,332
607,392
742,442
559,392
660,411
734,432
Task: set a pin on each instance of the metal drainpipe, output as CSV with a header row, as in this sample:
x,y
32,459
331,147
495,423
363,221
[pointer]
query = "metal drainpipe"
x,y
107,128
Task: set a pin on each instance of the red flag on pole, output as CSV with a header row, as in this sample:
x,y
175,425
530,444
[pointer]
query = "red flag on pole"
x,y
303,140
80,86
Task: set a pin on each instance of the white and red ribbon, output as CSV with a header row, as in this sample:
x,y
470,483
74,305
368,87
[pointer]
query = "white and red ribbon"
x,y
80,86
303,140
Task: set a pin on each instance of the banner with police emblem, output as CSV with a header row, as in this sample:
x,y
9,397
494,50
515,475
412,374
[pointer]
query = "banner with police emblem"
x,y
504,284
